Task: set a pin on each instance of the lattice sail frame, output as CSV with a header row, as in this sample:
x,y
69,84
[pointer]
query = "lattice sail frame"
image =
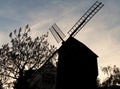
x,y
70,32
85,18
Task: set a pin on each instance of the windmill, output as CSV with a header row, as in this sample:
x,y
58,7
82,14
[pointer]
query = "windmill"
x,y
77,64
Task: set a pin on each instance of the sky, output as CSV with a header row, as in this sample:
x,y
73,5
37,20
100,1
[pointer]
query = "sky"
x,y
100,34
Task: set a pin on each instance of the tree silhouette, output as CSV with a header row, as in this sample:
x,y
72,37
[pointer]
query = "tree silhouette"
x,y
22,54
98,84
113,79
1,85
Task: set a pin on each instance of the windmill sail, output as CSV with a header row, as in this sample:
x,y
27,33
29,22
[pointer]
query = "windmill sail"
x,y
71,51
85,18
57,33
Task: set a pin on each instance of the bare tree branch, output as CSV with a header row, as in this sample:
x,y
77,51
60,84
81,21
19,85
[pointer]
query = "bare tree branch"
x,y
9,76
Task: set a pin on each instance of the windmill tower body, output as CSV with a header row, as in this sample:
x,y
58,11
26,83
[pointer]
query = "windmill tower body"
x,y
77,66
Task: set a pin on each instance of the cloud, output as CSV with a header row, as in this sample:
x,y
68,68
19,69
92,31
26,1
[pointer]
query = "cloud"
x,y
101,34
3,38
58,13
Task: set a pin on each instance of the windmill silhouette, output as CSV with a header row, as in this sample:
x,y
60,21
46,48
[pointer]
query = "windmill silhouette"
x,y
77,64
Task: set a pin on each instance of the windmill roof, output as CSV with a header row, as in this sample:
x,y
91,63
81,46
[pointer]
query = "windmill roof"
x,y
73,46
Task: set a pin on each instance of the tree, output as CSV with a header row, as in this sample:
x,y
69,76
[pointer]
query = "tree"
x,y
1,85
22,54
98,84
113,78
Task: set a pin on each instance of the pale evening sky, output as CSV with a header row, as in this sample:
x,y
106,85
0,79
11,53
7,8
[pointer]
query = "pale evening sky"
x,y
101,34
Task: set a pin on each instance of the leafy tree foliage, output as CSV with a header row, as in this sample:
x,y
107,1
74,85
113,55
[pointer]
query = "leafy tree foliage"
x,y
113,79
98,84
21,54
1,85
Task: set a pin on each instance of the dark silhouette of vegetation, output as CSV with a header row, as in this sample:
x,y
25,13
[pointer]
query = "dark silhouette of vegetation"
x,y
98,84
22,54
1,85
113,79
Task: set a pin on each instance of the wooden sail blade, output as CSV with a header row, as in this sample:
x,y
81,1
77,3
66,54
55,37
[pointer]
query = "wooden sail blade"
x,y
57,33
